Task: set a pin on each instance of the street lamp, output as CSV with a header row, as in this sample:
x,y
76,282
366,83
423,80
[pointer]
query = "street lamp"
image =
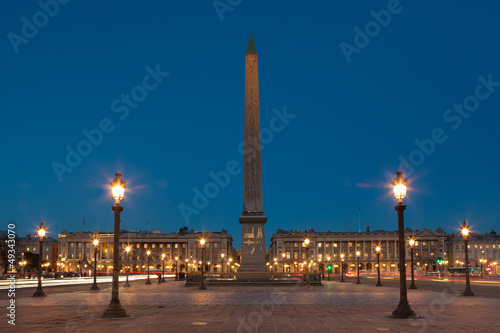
x,y
230,262
306,243
176,275
127,249
403,309
202,285
222,262
358,254
115,309
41,234
283,255
148,281
163,255
96,247
275,265
342,268
379,284
465,236
329,268
412,249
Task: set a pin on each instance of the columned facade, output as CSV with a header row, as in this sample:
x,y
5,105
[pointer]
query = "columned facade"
x,y
77,251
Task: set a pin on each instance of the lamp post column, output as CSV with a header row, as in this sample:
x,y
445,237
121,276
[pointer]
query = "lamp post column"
x,y
379,284
94,286
39,291
128,267
202,285
468,291
357,255
412,285
115,309
403,309
148,281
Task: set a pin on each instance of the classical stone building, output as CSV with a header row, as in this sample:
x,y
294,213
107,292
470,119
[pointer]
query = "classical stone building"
x,y
31,243
429,246
77,251
481,246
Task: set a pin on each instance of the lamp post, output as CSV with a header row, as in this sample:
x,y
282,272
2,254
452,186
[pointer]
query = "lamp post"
x,y
127,249
202,285
275,265
306,243
465,236
176,274
283,255
342,268
403,309
412,249
222,262
358,254
329,267
41,234
163,255
230,262
96,247
115,309
379,284
148,281
22,263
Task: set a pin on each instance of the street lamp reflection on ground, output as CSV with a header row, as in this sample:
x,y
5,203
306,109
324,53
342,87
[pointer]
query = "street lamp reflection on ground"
x,y
202,285
403,309
358,254
411,242
96,248
41,234
127,250
465,236
379,284
342,268
148,281
115,309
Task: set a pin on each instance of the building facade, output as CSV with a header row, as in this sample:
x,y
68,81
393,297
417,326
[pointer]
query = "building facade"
x,y
31,243
181,249
481,247
327,247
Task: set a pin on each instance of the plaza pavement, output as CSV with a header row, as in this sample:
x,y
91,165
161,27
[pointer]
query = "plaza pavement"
x,y
334,307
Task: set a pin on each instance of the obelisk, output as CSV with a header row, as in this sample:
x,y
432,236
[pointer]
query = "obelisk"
x,y
252,220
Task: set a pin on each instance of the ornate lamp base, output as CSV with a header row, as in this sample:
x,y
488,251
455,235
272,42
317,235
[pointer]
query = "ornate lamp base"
x,y
114,310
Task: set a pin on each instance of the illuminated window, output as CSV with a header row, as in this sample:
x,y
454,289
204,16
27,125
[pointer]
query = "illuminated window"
x,y
416,243
176,245
327,244
161,246
137,246
350,244
487,246
145,246
475,246
34,249
27,249
295,245
423,243
295,255
334,244
320,244
153,246
288,255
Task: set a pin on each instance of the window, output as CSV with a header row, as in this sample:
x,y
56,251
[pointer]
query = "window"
x,y
137,246
153,246
416,243
327,244
288,255
423,243
494,246
295,255
335,244
350,244
27,249
487,246
168,246
475,246
176,245
320,244
183,245
216,245
161,246
468,246
34,249
145,246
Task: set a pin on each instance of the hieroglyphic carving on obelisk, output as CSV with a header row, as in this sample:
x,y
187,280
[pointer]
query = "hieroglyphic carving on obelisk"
x,y
252,220
252,183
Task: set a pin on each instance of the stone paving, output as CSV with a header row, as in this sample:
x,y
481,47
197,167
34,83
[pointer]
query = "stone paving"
x,y
334,307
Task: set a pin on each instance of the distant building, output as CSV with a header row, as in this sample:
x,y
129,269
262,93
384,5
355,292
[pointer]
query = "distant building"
x,y
481,246
32,244
77,251
429,247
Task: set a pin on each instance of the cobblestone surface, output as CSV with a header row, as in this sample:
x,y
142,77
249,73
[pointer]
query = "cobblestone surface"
x,y
335,307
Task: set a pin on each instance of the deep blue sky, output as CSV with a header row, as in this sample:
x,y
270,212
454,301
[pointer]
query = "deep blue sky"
x,y
353,120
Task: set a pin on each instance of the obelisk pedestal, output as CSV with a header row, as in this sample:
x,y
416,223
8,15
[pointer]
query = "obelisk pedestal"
x,y
252,220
